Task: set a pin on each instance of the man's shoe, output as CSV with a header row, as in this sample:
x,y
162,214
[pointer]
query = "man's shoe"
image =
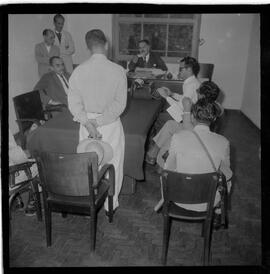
x,y
108,216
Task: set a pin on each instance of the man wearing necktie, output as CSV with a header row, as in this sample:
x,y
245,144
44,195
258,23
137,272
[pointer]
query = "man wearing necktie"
x,y
146,58
54,86
64,41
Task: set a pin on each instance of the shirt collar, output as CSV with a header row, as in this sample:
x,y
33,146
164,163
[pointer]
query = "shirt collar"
x,y
190,79
98,56
202,127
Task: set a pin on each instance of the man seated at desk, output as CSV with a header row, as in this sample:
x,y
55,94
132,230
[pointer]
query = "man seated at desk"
x,y
146,58
54,85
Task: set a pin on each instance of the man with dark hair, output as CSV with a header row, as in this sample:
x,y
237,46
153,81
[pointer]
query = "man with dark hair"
x,y
97,97
45,50
208,91
186,154
146,58
64,41
53,86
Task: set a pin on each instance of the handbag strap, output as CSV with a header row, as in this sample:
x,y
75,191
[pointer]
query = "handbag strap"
x,y
205,148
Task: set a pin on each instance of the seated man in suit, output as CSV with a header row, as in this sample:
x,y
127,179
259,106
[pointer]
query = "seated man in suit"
x,y
187,155
53,86
146,58
45,50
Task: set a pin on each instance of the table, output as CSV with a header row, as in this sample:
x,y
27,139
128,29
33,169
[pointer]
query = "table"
x,y
173,85
61,134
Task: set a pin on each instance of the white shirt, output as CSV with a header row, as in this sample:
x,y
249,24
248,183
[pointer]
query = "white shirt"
x,y
63,83
97,86
190,85
48,48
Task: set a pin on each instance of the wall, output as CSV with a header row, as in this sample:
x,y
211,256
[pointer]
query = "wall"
x,y
226,45
25,30
251,98
79,24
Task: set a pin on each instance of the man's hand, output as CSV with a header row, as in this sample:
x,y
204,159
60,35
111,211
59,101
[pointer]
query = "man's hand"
x,y
92,130
187,103
164,92
54,103
135,59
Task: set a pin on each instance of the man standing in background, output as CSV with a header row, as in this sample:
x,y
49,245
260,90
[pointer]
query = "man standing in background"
x,y
96,98
64,41
45,50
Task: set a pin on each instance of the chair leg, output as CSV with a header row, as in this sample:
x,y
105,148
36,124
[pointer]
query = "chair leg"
x,y
110,205
93,227
48,222
64,214
37,201
11,198
166,238
207,243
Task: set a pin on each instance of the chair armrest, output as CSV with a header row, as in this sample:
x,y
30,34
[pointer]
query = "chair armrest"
x,y
50,108
18,167
29,120
111,179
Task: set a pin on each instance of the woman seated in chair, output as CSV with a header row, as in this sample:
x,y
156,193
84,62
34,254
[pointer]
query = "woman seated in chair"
x,y
18,156
208,90
187,155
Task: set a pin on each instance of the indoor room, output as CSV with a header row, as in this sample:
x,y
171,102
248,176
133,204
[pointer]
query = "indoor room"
x,y
134,139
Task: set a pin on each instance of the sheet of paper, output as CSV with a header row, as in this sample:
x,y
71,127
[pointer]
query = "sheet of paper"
x,y
176,112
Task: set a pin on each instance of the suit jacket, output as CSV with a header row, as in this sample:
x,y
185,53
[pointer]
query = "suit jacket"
x,y
67,48
51,87
43,56
154,61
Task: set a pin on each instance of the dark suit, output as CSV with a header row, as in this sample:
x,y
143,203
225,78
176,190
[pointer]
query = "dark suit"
x,y
51,87
154,61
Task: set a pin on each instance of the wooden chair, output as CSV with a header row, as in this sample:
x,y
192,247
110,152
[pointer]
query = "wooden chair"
x,y
29,110
72,184
30,184
188,189
206,71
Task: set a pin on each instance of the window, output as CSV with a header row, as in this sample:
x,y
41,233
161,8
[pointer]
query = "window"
x,y
172,36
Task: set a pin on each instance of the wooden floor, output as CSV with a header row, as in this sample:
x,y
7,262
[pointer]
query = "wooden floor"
x,y
135,236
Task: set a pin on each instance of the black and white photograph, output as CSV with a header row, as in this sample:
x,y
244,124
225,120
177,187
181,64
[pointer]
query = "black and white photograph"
x,y
134,139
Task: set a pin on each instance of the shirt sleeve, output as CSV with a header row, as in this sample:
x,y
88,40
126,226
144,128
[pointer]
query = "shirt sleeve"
x,y
190,92
117,106
75,102
170,163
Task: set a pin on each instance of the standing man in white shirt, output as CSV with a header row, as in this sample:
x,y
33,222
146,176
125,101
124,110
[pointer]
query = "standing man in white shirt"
x,y
97,97
45,50
64,41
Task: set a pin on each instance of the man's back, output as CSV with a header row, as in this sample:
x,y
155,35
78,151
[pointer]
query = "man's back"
x,y
189,155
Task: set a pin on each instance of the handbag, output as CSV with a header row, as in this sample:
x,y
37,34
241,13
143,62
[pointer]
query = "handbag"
x,y
221,183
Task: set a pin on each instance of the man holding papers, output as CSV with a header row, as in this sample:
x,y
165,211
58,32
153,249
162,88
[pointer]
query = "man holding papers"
x,y
207,90
189,70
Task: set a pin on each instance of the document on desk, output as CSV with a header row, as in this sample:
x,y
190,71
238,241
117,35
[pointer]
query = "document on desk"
x,y
175,109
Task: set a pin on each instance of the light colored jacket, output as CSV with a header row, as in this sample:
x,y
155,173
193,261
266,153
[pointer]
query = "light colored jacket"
x,y
187,155
43,56
67,48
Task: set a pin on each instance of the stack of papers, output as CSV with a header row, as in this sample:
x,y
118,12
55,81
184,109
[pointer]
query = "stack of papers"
x,y
175,109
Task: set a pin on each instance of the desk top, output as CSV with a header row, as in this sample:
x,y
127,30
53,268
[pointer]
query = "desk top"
x,y
61,134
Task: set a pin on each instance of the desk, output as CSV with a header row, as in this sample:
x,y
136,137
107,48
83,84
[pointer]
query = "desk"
x,y
61,134
173,85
